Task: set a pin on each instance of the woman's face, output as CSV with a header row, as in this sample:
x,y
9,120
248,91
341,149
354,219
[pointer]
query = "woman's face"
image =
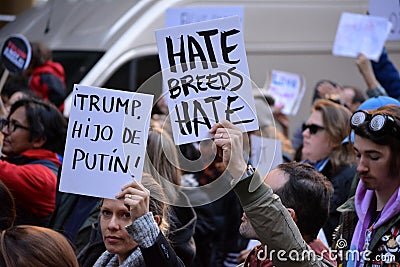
x,y
17,139
114,217
318,145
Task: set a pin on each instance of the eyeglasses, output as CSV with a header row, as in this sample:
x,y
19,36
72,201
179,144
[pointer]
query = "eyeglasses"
x,y
312,127
11,125
378,123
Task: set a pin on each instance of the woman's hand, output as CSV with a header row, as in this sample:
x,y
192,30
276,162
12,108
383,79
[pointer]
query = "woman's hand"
x,y
137,197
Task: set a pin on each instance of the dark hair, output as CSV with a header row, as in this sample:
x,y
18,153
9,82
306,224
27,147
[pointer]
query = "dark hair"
x,y
359,95
7,207
384,139
33,246
308,193
14,84
45,121
316,96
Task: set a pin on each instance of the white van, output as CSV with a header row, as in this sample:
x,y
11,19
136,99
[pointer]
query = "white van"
x,y
112,44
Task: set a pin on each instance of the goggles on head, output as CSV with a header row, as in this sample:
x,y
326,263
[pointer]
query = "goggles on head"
x,y
377,123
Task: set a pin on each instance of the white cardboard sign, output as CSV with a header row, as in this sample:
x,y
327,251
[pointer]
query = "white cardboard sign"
x,y
361,34
287,89
206,78
106,141
186,15
266,153
389,9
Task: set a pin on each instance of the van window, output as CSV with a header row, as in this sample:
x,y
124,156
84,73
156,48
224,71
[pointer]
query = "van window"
x,y
131,75
76,64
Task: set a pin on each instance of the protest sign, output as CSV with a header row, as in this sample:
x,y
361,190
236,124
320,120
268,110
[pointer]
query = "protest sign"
x,y
287,89
16,54
389,9
185,15
361,34
206,77
106,140
266,153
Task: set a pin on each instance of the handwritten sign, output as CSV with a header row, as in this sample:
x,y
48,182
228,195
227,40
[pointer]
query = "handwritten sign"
x,y
389,9
361,34
16,54
266,153
206,77
106,140
287,89
186,15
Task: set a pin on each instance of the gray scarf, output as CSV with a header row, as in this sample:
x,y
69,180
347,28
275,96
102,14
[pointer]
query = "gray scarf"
x,y
111,260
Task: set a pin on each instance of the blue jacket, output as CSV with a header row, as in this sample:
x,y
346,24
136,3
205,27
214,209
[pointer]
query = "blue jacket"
x,y
387,75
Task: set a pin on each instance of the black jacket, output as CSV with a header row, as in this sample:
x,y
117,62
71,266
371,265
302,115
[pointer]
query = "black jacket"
x,y
341,180
182,228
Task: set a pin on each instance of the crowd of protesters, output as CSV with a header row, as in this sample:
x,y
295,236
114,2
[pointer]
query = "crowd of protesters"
x,y
339,180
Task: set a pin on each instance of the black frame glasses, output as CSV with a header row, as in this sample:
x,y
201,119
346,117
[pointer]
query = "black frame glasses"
x,y
313,128
11,125
377,123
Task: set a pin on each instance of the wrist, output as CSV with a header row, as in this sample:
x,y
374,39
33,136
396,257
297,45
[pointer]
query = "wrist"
x,y
246,172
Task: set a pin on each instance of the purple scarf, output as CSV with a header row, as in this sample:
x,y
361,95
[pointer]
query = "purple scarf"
x,y
365,203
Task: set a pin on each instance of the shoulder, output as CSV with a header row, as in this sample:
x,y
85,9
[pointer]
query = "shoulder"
x,y
342,172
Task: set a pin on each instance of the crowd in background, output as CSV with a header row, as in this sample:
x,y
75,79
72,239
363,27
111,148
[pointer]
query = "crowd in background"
x,y
318,182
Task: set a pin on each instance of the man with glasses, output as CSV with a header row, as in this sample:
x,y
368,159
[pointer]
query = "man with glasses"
x,y
34,135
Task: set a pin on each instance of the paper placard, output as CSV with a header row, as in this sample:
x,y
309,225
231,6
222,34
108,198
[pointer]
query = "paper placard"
x,y
206,78
106,141
389,9
361,34
287,89
185,15
266,153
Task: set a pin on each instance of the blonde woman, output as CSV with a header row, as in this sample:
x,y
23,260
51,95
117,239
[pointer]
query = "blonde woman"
x,y
323,132
133,228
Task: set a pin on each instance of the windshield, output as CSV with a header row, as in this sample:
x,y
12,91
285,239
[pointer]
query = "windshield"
x,y
76,64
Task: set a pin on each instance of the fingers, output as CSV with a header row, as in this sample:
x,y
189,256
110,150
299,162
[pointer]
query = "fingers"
x,y
133,184
133,188
136,197
132,196
134,200
222,124
361,59
243,255
138,205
